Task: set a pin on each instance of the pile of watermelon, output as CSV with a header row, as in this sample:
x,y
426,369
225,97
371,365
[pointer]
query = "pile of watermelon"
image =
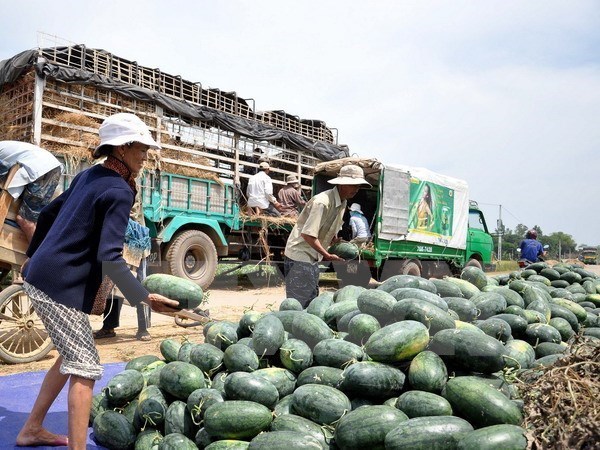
x,y
413,363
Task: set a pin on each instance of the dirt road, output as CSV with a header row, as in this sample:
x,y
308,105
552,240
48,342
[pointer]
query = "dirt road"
x,y
228,300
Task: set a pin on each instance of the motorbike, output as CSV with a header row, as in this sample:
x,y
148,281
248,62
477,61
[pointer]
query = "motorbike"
x,y
523,262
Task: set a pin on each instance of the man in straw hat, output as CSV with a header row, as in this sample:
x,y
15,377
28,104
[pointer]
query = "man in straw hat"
x,y
77,244
290,197
317,227
34,182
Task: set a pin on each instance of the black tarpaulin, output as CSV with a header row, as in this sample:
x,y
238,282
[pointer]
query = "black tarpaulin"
x,y
12,68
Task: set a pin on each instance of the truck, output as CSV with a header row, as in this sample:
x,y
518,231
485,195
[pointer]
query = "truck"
x,y
588,255
423,223
212,142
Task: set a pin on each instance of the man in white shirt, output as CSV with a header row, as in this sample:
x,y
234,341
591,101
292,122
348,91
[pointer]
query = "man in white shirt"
x,y
260,192
317,227
35,181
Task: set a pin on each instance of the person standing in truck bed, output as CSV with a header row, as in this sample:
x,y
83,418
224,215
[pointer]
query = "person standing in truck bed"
x,y
260,192
290,197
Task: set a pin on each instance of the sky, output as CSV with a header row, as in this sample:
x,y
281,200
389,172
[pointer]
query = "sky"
x,y
503,94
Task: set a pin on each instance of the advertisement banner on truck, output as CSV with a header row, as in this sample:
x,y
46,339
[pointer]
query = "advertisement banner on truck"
x,y
438,209
432,208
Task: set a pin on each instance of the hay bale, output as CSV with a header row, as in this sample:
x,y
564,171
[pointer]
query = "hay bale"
x,y
76,119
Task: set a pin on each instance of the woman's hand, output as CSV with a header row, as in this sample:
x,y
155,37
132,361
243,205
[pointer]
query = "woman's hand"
x,y
160,303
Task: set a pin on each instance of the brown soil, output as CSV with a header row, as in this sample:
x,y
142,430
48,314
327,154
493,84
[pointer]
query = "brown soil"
x,y
226,302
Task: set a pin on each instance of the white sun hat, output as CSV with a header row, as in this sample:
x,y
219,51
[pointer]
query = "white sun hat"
x,y
350,174
355,207
123,128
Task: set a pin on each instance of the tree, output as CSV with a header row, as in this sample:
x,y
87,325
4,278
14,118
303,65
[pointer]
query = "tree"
x,y
520,230
560,244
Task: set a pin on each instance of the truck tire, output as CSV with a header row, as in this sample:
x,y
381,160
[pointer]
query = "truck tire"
x,y
474,263
193,255
410,268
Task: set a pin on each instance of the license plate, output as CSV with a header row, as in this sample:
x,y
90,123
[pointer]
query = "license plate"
x,y
352,267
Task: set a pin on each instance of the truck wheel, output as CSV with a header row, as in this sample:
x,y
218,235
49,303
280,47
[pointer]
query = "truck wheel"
x,y
193,255
474,263
410,268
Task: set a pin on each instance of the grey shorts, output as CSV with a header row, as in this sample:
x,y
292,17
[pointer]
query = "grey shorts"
x,y
71,333
301,280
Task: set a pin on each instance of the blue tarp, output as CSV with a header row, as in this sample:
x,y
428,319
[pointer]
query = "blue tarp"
x,y
17,395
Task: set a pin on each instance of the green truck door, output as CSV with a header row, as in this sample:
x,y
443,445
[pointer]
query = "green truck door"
x,y
479,242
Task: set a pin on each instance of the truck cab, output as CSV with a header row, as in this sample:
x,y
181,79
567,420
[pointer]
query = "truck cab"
x,y
589,255
480,245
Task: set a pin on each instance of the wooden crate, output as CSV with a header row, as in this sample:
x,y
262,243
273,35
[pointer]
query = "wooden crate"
x,y
13,243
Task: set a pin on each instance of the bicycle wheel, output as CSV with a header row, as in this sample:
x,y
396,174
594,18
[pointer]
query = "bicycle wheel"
x,y
23,337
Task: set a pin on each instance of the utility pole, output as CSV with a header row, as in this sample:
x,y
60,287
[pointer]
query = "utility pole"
x,y
500,231
559,250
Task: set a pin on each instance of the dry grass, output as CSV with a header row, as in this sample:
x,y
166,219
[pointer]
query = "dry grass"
x,y
561,401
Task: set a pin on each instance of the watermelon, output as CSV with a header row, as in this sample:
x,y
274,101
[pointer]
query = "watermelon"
x,y
426,433
422,404
247,386
345,250
319,403
295,355
236,419
366,427
481,404
186,292
180,379
199,401
178,420
113,430
427,372
124,387
397,342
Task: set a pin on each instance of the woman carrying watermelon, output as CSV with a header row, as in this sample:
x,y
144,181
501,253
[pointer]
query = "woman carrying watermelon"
x,y
75,252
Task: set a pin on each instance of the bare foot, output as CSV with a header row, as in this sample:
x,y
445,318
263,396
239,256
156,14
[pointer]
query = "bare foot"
x,y
40,437
27,227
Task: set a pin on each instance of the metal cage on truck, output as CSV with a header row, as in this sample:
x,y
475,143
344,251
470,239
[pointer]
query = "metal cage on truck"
x,y
193,191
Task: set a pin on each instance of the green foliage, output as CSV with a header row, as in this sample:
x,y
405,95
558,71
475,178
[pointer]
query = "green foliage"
x,y
558,241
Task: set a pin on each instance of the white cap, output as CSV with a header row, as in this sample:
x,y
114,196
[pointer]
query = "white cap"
x,y
123,128
264,165
355,207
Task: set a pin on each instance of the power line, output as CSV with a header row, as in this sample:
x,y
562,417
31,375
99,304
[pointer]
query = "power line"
x,y
515,217
504,209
